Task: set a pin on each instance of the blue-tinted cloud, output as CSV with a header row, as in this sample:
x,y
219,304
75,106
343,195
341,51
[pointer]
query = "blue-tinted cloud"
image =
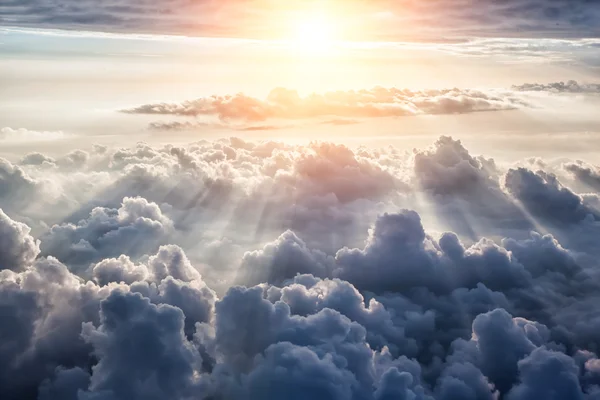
x,y
402,312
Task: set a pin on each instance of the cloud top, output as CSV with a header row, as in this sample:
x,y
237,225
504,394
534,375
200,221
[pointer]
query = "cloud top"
x,y
237,270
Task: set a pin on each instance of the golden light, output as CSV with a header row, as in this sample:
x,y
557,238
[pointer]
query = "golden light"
x,y
314,34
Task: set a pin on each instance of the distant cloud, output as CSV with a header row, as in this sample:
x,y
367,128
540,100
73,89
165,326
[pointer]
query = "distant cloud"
x,y
431,19
343,106
26,135
560,87
193,126
245,113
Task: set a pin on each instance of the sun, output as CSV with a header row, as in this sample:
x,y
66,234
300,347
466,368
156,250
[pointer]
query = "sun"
x,y
314,34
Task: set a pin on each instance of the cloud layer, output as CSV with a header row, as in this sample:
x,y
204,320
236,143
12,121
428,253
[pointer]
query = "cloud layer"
x,y
560,87
238,270
283,107
246,113
434,19
378,102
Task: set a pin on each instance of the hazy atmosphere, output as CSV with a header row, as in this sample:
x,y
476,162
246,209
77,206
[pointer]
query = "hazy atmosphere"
x,y
345,200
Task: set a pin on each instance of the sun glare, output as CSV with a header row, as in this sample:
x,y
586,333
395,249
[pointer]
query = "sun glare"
x,y
314,34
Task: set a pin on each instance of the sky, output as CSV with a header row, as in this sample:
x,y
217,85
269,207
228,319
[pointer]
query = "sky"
x,y
303,199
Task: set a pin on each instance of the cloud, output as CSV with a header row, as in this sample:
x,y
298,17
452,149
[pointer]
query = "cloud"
x,y
25,135
17,248
286,104
46,306
134,228
523,18
544,196
399,255
244,113
309,336
282,260
347,291
560,87
466,190
538,367
193,126
37,159
589,175
135,340
15,183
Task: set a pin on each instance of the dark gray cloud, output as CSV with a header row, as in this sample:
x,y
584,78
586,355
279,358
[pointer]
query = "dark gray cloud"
x,y
141,350
538,367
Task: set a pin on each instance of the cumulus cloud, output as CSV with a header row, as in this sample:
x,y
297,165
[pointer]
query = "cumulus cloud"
x,y
37,159
286,104
282,260
544,196
17,248
141,350
465,189
558,372
134,228
15,183
400,255
344,292
589,175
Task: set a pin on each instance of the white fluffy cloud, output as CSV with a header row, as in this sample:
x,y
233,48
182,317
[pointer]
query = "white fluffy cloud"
x,y
17,248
